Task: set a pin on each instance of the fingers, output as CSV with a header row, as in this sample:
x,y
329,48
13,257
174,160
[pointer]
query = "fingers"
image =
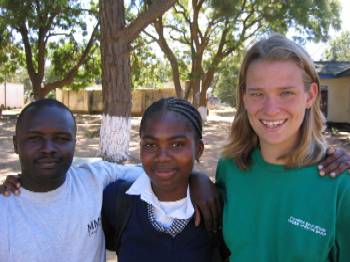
x,y
14,180
207,215
218,208
335,163
216,212
3,190
215,217
197,216
332,161
11,185
331,155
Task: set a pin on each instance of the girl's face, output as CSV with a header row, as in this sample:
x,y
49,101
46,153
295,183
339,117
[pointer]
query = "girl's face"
x,y
276,100
168,149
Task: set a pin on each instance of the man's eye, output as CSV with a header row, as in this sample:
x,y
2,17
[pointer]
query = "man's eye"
x,y
34,138
62,139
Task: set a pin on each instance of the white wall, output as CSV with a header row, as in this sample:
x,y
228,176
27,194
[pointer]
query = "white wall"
x,y
338,99
14,95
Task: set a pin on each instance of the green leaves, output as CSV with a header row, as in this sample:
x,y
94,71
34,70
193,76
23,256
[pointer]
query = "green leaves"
x,y
339,49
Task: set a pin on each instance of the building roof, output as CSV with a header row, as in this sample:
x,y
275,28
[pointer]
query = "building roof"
x,y
332,69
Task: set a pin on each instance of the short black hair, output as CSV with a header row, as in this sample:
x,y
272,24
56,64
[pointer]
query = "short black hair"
x,y
177,105
41,104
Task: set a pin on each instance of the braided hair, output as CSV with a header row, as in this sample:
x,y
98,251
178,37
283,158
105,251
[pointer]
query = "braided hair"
x,y
179,106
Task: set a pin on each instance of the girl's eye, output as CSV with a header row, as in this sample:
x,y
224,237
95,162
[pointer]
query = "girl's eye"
x,y
149,146
176,145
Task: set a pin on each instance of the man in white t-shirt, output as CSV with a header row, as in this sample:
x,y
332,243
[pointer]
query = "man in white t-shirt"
x,y
57,215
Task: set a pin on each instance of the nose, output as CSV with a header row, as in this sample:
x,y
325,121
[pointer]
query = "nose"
x,y
271,105
162,155
48,146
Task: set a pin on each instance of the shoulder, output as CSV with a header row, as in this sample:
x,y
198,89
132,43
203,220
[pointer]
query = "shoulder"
x,y
226,165
119,186
343,184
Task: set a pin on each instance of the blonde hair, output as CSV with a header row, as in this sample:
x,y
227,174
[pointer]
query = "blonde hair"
x,y
311,146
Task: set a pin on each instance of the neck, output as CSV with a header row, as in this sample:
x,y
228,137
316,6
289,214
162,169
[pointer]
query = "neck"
x,y
271,155
42,185
169,195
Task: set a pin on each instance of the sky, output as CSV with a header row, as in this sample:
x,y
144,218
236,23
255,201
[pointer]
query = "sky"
x,y
316,50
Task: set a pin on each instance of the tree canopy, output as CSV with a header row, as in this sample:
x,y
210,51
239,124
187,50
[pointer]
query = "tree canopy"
x,y
339,49
45,27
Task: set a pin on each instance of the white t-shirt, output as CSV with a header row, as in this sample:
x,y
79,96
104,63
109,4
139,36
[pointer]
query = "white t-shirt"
x,y
63,224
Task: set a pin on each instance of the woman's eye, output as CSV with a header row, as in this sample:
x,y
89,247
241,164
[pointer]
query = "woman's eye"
x,y
287,93
256,94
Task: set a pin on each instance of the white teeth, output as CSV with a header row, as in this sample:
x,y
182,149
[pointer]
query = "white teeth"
x,y
272,124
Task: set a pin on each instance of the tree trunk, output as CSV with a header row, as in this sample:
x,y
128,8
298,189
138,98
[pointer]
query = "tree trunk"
x,y
37,92
196,75
203,99
116,83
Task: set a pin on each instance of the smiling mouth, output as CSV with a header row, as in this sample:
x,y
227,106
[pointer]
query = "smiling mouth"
x,y
164,172
47,163
273,124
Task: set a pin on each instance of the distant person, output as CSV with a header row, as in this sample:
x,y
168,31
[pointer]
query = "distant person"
x,y
276,206
57,216
160,224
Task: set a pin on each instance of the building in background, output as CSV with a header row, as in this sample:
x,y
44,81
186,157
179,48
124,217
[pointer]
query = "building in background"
x,y
335,90
11,95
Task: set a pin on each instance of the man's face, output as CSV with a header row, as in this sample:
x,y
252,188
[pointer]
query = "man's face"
x,y
45,142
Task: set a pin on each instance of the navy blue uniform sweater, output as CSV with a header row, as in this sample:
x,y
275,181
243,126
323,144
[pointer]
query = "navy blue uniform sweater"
x,y
140,241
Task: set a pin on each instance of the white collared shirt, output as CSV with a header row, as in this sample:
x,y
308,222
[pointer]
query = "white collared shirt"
x,y
164,212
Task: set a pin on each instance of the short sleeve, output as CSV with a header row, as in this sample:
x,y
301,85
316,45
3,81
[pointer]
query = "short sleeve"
x,y
343,221
110,172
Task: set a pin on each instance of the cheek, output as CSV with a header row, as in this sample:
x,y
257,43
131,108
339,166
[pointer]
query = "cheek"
x,y
146,158
251,106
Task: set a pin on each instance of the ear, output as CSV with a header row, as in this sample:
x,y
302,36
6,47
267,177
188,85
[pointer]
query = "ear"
x,y
311,95
14,140
199,149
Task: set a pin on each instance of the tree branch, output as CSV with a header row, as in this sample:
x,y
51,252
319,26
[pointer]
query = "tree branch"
x,y
156,9
68,78
163,44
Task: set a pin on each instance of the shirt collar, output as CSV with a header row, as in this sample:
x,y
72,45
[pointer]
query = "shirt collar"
x,y
142,187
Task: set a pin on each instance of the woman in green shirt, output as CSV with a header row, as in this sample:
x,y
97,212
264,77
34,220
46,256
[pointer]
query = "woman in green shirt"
x,y
276,206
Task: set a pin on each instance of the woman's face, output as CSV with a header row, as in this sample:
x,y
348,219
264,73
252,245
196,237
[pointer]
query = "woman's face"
x,y
275,100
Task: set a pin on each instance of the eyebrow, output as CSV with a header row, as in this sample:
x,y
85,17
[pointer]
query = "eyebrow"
x,y
172,138
258,89
40,133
